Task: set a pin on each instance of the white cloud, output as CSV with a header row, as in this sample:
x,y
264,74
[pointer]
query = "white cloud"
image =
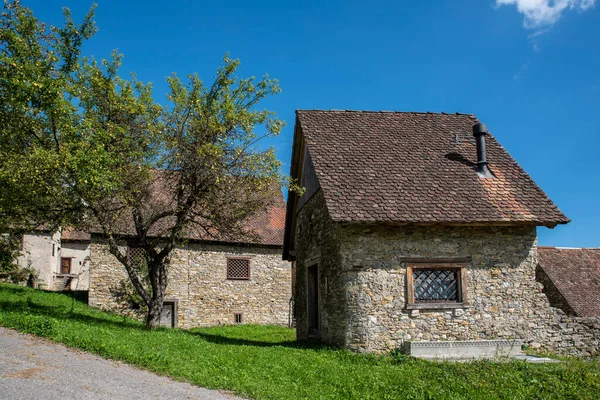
x,y
540,13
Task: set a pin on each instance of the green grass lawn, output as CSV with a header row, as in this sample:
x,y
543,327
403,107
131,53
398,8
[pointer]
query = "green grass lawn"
x,y
265,362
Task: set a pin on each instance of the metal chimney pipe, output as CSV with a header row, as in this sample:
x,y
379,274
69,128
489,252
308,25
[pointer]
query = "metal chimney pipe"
x,y
479,131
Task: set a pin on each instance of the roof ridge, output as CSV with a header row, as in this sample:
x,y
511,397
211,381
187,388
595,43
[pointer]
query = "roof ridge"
x,y
386,111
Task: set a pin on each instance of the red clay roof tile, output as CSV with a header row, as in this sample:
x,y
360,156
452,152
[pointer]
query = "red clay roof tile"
x,y
417,168
576,275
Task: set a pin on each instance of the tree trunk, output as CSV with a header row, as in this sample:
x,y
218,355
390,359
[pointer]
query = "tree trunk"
x,y
158,281
154,312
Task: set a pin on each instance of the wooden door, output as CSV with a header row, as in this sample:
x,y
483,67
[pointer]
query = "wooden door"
x,y
65,265
313,300
167,316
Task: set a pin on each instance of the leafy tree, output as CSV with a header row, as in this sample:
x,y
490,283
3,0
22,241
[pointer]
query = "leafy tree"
x,y
9,251
83,146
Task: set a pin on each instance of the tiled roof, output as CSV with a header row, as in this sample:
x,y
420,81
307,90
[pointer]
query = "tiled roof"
x,y
71,234
266,227
409,167
576,275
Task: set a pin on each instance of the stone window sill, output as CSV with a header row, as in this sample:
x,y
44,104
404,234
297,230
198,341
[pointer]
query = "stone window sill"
x,y
436,306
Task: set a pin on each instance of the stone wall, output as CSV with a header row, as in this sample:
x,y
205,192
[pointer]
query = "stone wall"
x,y
198,280
570,335
504,299
317,243
362,286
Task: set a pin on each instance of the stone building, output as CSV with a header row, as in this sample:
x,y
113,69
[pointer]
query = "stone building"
x,y
413,229
210,282
60,258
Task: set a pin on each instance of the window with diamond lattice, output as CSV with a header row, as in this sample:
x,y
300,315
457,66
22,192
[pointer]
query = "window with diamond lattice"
x,y
238,268
431,286
436,285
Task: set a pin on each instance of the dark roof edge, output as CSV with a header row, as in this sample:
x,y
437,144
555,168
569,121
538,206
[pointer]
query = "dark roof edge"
x,y
451,223
290,212
387,111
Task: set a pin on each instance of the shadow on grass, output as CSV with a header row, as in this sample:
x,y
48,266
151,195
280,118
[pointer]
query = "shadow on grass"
x,y
221,339
14,289
62,313
65,313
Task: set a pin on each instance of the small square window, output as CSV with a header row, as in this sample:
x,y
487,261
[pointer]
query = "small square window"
x,y
435,286
136,257
238,268
237,318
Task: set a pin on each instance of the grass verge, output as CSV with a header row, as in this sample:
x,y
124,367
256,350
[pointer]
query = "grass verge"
x,y
265,362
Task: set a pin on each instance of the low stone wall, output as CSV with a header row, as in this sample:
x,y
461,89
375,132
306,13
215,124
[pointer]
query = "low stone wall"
x,y
198,281
571,336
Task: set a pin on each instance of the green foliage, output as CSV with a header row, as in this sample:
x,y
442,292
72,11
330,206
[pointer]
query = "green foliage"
x,y
36,111
9,251
74,133
265,362
80,145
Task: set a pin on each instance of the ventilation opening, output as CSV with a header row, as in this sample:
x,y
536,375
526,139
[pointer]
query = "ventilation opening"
x,y
237,318
238,268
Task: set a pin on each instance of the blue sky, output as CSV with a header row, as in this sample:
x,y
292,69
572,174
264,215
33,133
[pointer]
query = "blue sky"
x,y
529,69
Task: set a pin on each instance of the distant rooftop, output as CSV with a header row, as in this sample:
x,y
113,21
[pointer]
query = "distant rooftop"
x,y
575,272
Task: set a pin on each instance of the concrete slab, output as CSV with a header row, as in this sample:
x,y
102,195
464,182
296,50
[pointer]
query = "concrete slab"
x,y
464,350
536,360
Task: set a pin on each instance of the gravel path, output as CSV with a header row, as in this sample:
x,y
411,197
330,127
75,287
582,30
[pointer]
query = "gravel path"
x,y
33,368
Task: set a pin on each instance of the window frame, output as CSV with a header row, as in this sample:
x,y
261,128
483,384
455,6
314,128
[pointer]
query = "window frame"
x,y
232,258
412,304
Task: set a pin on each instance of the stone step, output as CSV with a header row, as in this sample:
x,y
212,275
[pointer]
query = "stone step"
x,y
468,349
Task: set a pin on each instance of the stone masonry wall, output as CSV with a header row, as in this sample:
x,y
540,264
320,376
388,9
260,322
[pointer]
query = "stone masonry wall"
x,y
572,336
362,286
198,280
317,244
504,300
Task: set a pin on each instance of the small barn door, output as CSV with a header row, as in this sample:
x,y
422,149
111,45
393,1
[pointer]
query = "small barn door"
x,y
169,314
313,301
